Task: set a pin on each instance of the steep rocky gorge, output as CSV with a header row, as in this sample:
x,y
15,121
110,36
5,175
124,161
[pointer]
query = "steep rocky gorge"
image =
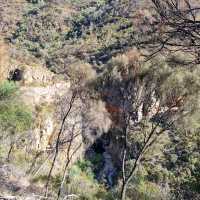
x,y
48,96
93,105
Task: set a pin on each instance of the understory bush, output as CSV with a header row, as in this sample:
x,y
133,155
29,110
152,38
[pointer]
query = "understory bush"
x,y
82,183
15,120
14,115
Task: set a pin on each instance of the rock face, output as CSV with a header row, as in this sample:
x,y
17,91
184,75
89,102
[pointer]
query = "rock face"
x,y
49,99
46,123
40,90
37,75
85,123
42,132
37,95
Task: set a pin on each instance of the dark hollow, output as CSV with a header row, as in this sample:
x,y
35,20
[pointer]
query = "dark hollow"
x,y
16,75
98,147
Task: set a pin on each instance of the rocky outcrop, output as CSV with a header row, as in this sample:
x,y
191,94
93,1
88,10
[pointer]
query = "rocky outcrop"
x,y
44,128
37,76
37,95
40,90
43,100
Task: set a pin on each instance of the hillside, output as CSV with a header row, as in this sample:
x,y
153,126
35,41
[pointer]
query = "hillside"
x,y
99,99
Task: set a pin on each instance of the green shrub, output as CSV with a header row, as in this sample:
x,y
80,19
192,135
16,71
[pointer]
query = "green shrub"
x,y
82,183
193,182
7,90
97,159
83,167
14,115
42,179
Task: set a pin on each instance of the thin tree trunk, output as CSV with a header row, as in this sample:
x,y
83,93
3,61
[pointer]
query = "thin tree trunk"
x,y
123,192
127,180
58,141
65,171
31,169
10,151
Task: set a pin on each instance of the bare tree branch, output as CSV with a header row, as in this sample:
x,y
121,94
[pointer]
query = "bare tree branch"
x,y
58,140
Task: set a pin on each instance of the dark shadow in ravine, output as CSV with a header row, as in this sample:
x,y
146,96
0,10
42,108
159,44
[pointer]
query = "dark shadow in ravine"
x,y
103,166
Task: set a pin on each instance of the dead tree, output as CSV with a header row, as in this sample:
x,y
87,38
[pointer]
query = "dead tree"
x,y
68,160
173,27
57,147
149,140
130,122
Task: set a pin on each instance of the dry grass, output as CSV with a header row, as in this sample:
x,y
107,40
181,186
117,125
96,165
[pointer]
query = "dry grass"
x,y
10,13
4,60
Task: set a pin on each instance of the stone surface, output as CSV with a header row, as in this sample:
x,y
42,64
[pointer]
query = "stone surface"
x,y
37,75
36,95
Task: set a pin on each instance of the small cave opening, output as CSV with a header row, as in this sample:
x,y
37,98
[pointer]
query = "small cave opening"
x,y
15,75
98,146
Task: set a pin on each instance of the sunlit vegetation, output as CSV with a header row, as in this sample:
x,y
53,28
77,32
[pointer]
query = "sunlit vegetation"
x,y
134,72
